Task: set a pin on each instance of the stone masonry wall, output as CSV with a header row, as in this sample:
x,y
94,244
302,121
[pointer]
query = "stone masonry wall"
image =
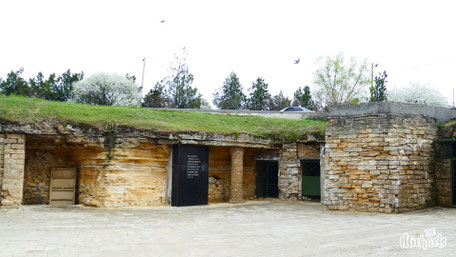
x,y
444,161
379,163
290,167
2,139
38,165
443,182
13,158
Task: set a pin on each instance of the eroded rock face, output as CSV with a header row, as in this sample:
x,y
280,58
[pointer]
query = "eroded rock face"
x,y
135,176
89,134
216,193
116,168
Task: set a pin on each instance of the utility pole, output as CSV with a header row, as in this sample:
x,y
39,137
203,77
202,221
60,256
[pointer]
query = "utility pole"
x,y
372,75
144,69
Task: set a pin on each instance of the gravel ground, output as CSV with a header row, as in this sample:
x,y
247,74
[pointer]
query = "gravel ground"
x,y
256,228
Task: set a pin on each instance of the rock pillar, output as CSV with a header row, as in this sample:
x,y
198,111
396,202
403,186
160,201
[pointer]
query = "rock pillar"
x,y
237,175
11,193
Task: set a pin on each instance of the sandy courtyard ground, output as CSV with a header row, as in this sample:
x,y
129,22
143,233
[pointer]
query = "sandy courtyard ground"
x,y
267,228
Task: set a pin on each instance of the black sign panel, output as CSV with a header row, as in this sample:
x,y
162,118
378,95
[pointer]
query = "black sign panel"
x,y
190,175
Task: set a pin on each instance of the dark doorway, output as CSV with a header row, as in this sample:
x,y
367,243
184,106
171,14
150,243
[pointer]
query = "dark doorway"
x,y
311,179
267,179
453,182
190,175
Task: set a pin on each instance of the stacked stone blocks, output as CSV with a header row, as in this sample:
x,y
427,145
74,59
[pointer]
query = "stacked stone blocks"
x,y
443,182
290,179
237,156
379,163
13,160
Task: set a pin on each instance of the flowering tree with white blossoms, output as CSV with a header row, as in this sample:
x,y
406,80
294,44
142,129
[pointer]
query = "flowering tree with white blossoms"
x,y
417,93
107,89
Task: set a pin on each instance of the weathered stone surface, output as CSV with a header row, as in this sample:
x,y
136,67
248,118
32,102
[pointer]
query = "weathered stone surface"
x,y
443,182
12,171
237,175
290,156
38,165
220,168
382,163
216,190
134,176
89,133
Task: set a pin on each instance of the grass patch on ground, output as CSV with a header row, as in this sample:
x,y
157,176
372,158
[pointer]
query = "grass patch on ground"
x,y
33,110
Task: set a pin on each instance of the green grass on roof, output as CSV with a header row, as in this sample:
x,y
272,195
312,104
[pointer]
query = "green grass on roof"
x,y
31,110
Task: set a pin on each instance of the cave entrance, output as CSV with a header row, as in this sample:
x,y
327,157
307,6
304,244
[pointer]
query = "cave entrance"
x,y
52,173
267,179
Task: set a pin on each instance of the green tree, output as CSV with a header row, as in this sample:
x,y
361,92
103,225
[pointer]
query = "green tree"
x,y
230,95
131,77
378,91
279,101
15,84
259,98
53,88
63,90
303,98
336,82
179,82
41,87
157,97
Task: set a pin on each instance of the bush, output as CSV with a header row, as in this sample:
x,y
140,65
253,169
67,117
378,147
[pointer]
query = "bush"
x,y
417,94
107,89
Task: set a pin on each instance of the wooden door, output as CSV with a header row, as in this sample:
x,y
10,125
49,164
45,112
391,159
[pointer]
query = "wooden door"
x,y
63,185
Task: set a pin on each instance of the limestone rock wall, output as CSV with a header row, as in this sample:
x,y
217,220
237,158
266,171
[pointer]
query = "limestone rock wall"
x,y
135,176
12,152
290,176
379,163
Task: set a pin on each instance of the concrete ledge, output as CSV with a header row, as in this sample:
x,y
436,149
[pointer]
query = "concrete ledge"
x,y
441,114
267,114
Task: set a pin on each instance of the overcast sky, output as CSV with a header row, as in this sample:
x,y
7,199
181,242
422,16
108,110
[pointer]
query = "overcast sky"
x,y
414,41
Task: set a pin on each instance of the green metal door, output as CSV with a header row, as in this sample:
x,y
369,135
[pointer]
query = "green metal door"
x,y
310,178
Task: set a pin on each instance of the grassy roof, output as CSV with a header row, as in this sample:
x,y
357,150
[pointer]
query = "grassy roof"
x,y
31,110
